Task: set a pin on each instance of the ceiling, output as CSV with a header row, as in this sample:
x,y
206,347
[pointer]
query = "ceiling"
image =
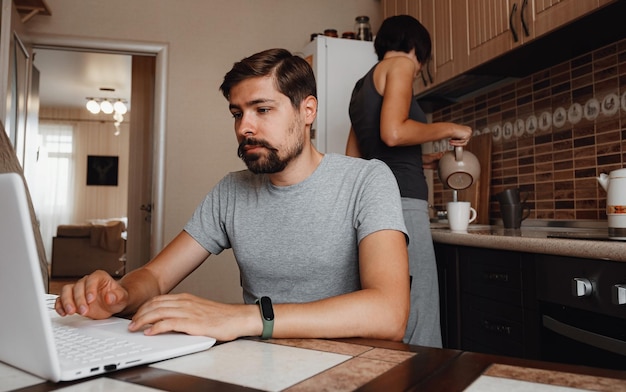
x,y
67,78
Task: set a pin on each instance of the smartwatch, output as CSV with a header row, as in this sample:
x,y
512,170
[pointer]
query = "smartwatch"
x,y
267,316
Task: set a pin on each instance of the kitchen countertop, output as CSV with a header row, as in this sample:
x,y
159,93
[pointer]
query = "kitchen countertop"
x,y
537,237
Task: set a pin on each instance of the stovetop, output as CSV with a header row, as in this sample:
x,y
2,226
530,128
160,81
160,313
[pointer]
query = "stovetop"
x,y
581,235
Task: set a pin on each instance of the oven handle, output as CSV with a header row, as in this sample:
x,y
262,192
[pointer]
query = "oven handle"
x,y
586,337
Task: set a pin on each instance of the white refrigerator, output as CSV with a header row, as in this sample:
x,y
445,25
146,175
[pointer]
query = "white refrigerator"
x,y
337,63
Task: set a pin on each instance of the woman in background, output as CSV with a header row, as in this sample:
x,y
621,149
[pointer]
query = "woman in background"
x,y
388,124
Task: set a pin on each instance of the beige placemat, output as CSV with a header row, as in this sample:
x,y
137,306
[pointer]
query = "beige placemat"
x,y
540,377
497,384
253,364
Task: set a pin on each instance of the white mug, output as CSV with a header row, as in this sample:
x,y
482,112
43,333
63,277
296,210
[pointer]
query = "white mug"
x,y
460,215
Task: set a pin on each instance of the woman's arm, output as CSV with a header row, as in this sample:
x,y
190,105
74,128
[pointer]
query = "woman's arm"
x,y
395,83
352,146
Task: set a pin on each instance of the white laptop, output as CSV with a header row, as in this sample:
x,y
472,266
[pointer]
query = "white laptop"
x,y
26,329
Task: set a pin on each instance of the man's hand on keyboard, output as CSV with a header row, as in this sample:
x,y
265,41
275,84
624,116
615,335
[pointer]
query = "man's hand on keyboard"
x,y
193,315
97,296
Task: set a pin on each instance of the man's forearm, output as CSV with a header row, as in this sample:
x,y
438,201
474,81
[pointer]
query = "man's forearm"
x,y
364,313
141,285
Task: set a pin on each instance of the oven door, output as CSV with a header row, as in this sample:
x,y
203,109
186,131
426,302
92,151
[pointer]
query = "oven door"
x,y
576,336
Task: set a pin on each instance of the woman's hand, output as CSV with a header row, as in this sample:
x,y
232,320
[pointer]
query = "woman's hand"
x,y
431,161
459,135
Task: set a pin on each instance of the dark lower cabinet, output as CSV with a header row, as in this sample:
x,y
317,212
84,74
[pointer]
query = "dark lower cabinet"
x,y
488,301
582,304
449,293
536,306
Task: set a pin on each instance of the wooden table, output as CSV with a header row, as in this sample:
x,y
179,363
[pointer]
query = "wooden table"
x,y
405,368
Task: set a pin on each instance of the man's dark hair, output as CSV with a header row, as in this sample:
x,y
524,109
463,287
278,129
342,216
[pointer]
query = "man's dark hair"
x,y
402,33
292,74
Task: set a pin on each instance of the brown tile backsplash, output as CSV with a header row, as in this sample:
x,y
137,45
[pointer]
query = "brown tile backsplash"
x,y
553,133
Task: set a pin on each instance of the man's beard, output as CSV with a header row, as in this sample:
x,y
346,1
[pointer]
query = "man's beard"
x,y
269,163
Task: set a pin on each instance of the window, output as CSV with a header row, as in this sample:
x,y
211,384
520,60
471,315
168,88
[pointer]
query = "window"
x,y
52,180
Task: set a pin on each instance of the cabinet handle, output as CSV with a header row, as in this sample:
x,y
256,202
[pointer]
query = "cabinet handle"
x,y
619,294
497,328
584,336
496,277
425,80
581,287
523,17
511,26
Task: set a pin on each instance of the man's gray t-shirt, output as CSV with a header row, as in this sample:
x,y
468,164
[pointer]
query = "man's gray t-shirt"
x,y
299,243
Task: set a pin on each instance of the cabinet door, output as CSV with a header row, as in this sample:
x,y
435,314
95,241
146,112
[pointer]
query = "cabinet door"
x,y
449,295
395,7
492,28
493,327
445,43
551,14
498,303
492,274
448,46
445,23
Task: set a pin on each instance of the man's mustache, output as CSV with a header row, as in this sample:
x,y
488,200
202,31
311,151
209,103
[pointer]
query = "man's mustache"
x,y
253,142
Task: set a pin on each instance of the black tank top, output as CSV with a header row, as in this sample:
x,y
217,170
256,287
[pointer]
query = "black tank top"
x,y
404,162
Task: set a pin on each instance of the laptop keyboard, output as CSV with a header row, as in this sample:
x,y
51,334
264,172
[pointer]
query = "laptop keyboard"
x,y
51,300
73,345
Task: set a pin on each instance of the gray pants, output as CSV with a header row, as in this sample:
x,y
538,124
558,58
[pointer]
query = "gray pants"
x,y
423,327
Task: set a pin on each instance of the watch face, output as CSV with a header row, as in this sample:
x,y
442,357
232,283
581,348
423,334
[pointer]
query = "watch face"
x,y
266,308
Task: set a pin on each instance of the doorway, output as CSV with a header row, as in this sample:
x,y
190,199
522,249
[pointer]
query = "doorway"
x,y
71,146
146,174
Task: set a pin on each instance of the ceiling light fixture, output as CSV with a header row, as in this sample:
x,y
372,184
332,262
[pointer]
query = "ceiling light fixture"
x,y
118,108
106,106
93,106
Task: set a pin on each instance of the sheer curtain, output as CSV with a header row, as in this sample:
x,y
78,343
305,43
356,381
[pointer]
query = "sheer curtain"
x,y
52,177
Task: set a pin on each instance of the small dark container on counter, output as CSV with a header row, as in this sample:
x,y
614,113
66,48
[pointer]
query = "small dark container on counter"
x,y
512,208
362,28
513,215
331,33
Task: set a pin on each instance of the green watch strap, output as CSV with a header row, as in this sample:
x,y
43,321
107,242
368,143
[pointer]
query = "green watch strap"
x,y
267,316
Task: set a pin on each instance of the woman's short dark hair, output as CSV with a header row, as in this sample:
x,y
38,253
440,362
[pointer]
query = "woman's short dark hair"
x,y
402,33
292,74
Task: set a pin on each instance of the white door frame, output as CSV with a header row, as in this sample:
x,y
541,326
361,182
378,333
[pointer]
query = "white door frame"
x,y
160,93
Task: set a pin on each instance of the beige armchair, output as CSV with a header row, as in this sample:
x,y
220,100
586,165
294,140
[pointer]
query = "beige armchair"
x,y
78,250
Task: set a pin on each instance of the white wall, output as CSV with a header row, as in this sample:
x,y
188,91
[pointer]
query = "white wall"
x,y
204,37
